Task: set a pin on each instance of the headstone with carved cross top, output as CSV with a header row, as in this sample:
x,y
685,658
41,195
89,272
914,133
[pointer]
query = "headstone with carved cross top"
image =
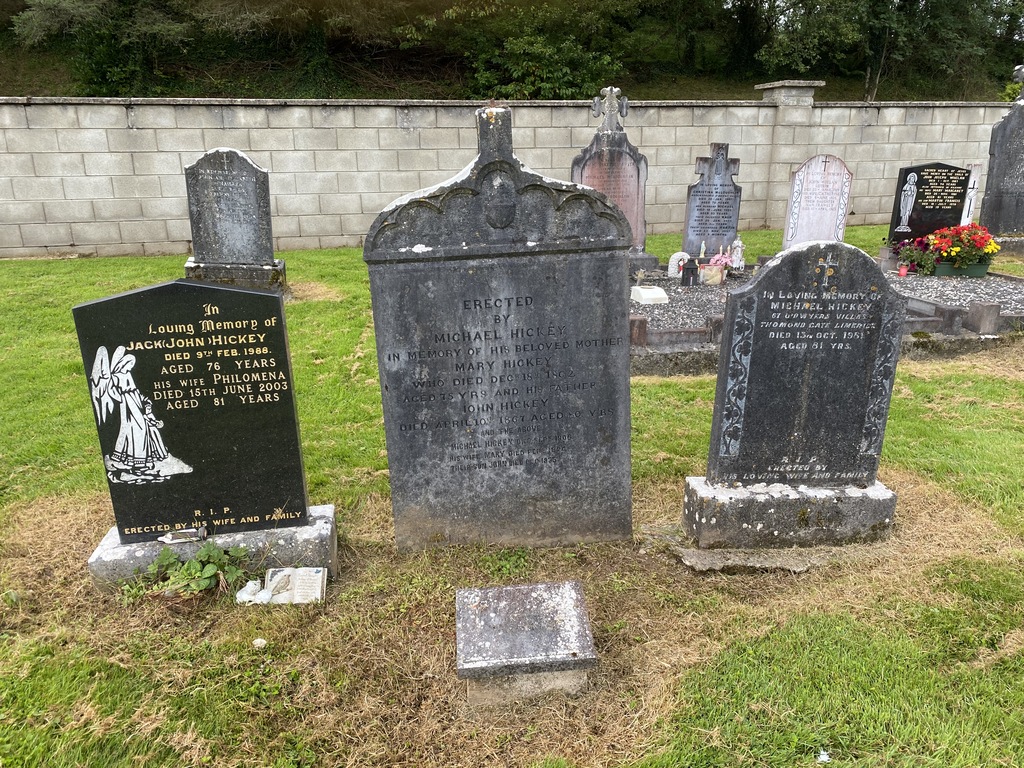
x,y
713,203
229,210
502,327
613,166
806,370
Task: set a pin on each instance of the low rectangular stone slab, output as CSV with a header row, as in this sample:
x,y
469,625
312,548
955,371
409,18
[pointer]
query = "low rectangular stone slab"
x,y
523,629
501,690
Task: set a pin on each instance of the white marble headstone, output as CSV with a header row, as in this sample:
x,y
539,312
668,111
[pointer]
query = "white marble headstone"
x,y
819,200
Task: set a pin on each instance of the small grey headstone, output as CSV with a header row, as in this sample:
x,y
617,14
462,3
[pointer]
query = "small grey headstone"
x,y
229,210
928,197
508,636
612,165
806,371
713,203
502,325
1002,210
819,200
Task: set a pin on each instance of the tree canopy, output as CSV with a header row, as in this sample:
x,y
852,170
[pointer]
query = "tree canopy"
x,y
529,48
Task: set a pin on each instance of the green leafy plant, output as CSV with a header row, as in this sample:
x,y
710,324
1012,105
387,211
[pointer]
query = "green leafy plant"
x,y
211,567
506,563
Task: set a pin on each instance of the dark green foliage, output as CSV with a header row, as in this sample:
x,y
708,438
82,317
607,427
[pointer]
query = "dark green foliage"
x,y
211,567
119,43
519,49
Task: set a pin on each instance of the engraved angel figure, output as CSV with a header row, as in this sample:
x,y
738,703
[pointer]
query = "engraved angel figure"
x,y
139,454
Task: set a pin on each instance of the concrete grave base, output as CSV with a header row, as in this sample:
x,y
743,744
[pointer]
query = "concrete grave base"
x,y
502,690
312,545
779,515
642,260
269,277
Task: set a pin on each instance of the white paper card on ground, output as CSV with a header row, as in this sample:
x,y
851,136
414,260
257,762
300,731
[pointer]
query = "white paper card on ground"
x,y
296,585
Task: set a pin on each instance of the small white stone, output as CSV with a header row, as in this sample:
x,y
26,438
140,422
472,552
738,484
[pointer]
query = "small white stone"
x,y
259,642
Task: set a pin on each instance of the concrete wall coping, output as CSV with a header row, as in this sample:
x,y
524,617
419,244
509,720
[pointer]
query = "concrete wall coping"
x,y
128,102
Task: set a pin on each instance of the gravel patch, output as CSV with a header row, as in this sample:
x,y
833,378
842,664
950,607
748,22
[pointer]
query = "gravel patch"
x,y
690,306
961,291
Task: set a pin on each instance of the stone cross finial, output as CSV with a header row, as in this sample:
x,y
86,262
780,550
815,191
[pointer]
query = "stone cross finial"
x,y
494,134
612,106
718,166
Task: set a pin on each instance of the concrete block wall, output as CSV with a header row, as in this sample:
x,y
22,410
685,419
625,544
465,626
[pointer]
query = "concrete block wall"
x,y
106,176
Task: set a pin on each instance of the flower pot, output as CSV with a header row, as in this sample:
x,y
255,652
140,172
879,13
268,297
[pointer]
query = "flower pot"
x,y
903,270
945,269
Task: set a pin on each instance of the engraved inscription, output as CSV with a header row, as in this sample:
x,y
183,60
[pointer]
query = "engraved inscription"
x,y
508,383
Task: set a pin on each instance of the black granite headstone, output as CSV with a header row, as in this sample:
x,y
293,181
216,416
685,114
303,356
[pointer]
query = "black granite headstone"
x,y
613,166
808,359
1003,208
928,197
192,390
229,210
502,325
713,204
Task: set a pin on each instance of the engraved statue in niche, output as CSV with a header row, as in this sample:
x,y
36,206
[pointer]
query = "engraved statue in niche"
x,y
907,198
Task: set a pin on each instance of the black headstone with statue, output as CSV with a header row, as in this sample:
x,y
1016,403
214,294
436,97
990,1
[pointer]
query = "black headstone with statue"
x,y
502,327
1002,209
928,197
713,204
194,402
229,210
612,165
806,371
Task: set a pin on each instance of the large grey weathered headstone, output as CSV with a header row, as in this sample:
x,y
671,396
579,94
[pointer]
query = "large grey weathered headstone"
x,y
806,371
502,326
612,165
928,197
1002,210
229,210
713,203
819,200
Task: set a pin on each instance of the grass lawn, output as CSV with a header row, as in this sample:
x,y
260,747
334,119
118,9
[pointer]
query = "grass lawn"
x,y
904,653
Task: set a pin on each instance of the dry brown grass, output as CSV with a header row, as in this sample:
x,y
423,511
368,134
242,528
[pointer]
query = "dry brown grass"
x,y
374,667
1003,360
312,291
